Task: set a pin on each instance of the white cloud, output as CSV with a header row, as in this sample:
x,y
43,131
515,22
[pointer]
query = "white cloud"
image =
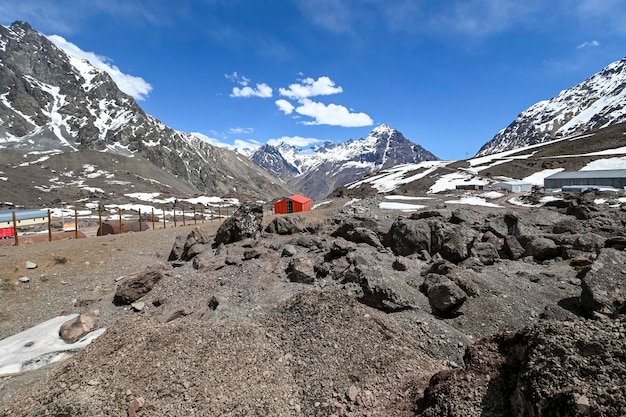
x,y
294,141
262,90
134,86
212,141
332,114
309,87
236,78
240,144
588,44
285,106
240,130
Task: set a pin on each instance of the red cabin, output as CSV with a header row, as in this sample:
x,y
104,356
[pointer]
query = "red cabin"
x,y
293,204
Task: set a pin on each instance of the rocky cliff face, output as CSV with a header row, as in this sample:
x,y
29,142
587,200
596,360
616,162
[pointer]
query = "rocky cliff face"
x,y
597,102
320,170
53,103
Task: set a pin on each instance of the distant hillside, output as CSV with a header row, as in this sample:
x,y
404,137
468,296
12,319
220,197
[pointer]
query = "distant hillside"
x,y
318,171
52,103
598,102
605,148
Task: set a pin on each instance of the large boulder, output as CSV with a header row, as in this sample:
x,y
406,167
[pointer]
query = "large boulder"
x,y
406,237
380,288
73,330
136,286
282,226
246,222
542,248
444,296
300,269
604,284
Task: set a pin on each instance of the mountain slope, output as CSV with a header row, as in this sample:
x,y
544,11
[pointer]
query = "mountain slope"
x,y
597,102
318,171
602,149
53,103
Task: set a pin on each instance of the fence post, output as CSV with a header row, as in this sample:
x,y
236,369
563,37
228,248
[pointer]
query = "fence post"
x,y
140,220
174,216
99,220
15,238
164,226
202,210
49,226
75,223
152,218
183,209
194,215
119,211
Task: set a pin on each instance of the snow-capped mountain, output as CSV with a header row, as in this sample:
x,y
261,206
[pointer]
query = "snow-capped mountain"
x,y
597,102
52,103
319,170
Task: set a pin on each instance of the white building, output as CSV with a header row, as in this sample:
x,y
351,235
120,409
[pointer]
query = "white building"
x,y
513,186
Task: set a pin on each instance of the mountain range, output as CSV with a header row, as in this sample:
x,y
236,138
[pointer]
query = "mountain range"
x,y
597,102
68,133
319,170
52,103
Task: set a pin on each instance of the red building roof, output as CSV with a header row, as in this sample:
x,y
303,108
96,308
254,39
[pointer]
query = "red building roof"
x,y
299,198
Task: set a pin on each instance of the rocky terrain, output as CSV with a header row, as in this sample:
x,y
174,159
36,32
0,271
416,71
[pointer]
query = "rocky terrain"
x,y
347,311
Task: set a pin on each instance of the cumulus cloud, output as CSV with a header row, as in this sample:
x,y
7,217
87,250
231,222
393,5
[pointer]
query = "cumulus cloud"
x,y
331,114
285,106
298,141
309,87
134,86
262,90
588,44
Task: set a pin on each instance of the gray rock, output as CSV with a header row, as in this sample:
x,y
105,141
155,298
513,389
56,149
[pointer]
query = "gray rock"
x,y
138,285
604,284
513,248
485,252
282,226
30,265
381,289
300,269
406,237
289,251
445,297
246,222
542,248
73,330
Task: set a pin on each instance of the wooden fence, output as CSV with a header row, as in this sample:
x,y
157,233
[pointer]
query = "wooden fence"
x,y
178,217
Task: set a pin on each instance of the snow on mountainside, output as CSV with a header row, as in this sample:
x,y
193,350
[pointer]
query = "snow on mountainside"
x,y
53,103
319,170
603,149
597,102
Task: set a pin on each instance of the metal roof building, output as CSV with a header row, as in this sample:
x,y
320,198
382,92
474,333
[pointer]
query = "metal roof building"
x,y
615,178
513,186
22,217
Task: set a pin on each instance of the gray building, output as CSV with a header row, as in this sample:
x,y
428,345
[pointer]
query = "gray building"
x,y
615,178
513,186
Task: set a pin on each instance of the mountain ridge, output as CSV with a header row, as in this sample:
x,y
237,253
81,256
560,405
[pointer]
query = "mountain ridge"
x,y
597,102
52,103
319,170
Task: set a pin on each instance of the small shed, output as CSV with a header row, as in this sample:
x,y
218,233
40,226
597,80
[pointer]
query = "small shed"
x,y
513,186
293,204
615,178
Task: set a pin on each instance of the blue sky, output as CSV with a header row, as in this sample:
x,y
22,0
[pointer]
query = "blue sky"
x,y
449,74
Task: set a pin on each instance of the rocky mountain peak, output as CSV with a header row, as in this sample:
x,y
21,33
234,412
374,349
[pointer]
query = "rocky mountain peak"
x,y
319,170
52,103
599,101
